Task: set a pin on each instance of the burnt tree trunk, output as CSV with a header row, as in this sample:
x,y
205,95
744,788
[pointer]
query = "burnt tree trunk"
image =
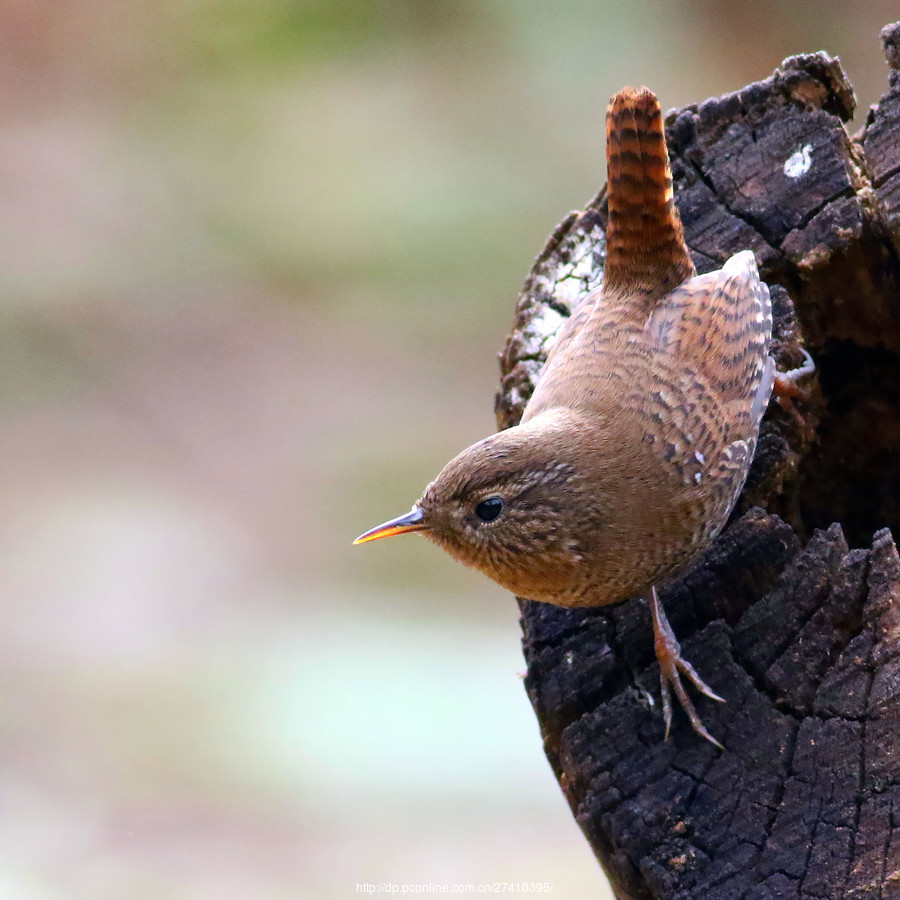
x,y
799,632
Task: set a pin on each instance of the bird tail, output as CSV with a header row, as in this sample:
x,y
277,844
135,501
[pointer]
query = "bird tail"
x,y
645,248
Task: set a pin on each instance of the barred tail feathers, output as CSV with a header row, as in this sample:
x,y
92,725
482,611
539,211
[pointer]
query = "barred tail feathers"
x,y
646,252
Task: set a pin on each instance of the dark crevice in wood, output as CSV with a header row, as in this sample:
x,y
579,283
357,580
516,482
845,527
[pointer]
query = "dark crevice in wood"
x,y
799,632
709,263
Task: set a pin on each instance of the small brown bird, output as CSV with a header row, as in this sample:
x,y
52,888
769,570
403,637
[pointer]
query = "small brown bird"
x,y
633,449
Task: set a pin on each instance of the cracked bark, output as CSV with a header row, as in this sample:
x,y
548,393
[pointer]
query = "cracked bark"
x,y
797,631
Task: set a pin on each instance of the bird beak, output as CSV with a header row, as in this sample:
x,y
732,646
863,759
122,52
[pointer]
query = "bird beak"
x,y
411,521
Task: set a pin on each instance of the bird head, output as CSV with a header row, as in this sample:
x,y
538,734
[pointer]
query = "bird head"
x,y
510,507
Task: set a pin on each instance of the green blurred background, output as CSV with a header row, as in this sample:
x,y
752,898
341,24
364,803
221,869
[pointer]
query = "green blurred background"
x,y
257,260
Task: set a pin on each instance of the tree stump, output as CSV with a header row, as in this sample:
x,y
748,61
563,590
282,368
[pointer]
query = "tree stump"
x,y
799,633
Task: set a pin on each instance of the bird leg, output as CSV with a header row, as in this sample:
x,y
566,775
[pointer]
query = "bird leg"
x,y
672,665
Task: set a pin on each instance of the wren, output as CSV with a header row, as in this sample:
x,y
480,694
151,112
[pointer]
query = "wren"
x,y
636,442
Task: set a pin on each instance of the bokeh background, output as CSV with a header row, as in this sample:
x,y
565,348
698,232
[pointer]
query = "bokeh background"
x,y
257,259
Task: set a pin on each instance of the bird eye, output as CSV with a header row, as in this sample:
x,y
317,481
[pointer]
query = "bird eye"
x,y
489,509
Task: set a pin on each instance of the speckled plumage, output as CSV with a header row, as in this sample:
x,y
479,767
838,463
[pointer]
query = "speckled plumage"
x,y
671,398
636,442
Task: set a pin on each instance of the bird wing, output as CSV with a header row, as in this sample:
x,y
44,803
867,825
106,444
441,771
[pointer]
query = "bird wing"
x,y
720,325
713,333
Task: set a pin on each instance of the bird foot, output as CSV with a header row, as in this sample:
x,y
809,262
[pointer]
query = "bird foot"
x,y
672,665
787,387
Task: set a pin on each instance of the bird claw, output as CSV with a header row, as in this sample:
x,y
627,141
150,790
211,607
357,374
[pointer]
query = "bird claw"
x,y
787,387
670,674
672,665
